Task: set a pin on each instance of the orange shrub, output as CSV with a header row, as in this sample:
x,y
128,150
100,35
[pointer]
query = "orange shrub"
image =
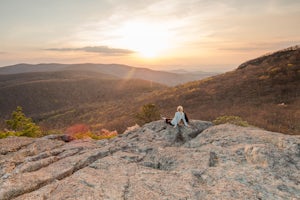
x,y
79,131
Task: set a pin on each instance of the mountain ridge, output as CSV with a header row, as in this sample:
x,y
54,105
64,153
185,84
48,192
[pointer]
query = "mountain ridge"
x,y
118,70
262,58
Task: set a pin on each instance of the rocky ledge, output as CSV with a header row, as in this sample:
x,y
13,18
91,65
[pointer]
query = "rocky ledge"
x,y
155,161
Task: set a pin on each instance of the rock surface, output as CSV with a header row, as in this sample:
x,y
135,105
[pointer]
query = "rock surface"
x,y
155,161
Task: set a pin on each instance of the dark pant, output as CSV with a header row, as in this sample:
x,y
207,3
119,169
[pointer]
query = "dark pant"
x,y
168,121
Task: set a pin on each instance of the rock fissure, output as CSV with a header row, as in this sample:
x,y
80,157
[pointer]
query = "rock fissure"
x,y
213,159
126,190
15,192
12,150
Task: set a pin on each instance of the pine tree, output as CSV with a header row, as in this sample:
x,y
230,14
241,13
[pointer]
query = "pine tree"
x,y
149,113
22,125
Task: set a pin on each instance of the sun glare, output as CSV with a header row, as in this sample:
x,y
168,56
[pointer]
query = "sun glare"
x,y
148,40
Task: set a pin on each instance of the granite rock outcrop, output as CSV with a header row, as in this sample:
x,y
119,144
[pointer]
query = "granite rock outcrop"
x,y
155,161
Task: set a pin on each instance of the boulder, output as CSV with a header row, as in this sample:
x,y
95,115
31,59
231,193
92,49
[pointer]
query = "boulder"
x,y
155,161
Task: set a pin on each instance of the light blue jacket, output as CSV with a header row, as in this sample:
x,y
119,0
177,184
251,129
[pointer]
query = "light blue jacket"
x,y
178,116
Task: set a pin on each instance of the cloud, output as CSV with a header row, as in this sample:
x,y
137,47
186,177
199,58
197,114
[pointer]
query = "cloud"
x,y
105,50
242,49
262,46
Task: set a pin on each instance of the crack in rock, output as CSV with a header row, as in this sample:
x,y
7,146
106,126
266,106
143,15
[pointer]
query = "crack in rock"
x,y
7,192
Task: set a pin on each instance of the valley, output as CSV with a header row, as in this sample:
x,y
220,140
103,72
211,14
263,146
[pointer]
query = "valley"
x,y
264,91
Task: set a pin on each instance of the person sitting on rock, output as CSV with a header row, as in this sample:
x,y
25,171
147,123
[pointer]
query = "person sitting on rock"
x,y
179,115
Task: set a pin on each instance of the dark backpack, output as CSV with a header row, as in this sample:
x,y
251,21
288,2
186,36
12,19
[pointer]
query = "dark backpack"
x,y
186,118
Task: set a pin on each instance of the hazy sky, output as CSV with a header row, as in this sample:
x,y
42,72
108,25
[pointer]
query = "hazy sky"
x,y
160,34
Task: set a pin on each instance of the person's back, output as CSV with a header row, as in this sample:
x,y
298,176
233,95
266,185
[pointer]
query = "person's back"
x,y
179,115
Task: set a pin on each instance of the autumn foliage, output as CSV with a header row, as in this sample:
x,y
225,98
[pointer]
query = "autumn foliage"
x,y
78,131
82,131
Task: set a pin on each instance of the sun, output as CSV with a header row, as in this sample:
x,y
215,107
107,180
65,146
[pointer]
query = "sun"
x,y
148,40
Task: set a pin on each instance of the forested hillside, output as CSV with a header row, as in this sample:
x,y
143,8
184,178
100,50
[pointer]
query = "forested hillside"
x,y
60,99
264,91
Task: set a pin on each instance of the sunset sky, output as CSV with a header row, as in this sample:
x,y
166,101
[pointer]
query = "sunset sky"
x,y
203,35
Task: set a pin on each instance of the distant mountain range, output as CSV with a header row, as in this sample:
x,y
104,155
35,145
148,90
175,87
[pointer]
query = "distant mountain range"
x,y
117,70
264,91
